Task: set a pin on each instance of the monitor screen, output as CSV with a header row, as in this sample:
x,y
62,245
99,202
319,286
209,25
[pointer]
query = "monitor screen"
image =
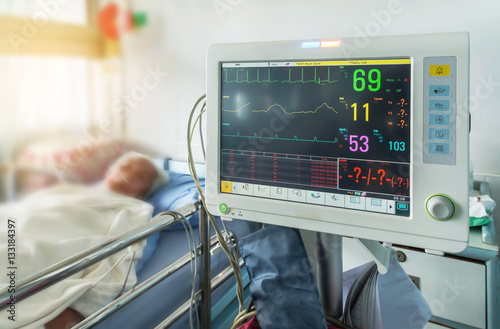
x,y
369,141
329,132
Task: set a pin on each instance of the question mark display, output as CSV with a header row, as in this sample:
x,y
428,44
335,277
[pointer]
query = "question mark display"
x,y
372,177
358,172
381,172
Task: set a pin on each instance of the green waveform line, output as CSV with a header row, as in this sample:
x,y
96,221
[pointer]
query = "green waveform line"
x,y
297,112
316,79
268,80
285,139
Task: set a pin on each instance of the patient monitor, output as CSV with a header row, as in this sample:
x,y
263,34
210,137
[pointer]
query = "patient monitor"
x,y
362,138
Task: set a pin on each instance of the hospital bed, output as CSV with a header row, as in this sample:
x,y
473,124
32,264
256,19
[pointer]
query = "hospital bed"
x,y
161,296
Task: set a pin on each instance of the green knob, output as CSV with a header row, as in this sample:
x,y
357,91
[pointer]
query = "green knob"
x,y
223,208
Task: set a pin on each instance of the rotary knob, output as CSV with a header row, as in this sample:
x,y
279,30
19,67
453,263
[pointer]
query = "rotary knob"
x,y
440,207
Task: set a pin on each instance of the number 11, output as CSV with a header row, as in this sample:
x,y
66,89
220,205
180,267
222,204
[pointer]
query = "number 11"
x,y
355,108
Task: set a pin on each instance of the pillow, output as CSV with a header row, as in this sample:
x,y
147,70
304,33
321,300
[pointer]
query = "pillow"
x,y
180,190
69,157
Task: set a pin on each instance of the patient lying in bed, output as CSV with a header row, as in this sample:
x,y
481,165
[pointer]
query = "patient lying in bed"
x,y
64,220
133,175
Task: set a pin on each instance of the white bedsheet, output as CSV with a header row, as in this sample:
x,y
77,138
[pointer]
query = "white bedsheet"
x,y
56,223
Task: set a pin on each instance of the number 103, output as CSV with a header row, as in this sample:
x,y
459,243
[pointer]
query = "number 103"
x,y
397,146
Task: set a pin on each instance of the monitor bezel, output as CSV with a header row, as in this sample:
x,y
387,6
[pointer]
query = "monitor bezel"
x,y
418,229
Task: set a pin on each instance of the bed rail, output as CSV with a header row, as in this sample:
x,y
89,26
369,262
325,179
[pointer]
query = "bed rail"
x,y
135,292
37,282
206,284
215,283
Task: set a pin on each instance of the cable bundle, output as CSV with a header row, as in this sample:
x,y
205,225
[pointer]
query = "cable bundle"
x,y
233,258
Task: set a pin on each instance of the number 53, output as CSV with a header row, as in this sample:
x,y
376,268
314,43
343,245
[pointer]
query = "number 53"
x,y
355,146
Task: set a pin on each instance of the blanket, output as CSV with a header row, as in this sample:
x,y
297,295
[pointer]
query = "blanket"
x,y
56,223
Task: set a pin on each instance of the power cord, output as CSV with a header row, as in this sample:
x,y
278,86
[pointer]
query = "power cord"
x,y
194,265
201,132
234,262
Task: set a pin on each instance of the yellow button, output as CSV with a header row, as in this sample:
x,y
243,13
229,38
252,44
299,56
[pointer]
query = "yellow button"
x,y
226,187
439,70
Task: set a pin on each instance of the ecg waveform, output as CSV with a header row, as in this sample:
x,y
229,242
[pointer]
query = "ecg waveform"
x,y
295,138
276,105
238,110
243,76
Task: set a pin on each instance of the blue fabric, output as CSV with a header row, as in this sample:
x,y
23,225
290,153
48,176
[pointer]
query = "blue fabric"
x,y
402,305
179,191
282,281
147,252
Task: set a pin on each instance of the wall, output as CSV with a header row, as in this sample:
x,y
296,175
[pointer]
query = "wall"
x,y
179,32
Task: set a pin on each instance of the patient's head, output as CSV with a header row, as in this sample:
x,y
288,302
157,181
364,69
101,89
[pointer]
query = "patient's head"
x,y
134,175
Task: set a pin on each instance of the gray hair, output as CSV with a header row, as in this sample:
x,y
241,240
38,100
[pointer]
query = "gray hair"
x,y
161,177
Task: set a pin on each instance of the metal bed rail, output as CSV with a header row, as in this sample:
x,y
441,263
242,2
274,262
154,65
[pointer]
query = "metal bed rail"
x,y
51,275
135,292
215,283
39,281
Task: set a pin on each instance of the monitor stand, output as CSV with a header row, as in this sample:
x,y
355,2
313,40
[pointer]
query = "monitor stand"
x,y
329,268
329,272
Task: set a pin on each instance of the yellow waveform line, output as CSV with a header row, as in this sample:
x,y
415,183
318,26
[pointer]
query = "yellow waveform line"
x,y
297,112
238,110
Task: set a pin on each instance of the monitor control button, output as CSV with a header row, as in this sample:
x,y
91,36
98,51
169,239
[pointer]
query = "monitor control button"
x,y
223,208
391,207
440,207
